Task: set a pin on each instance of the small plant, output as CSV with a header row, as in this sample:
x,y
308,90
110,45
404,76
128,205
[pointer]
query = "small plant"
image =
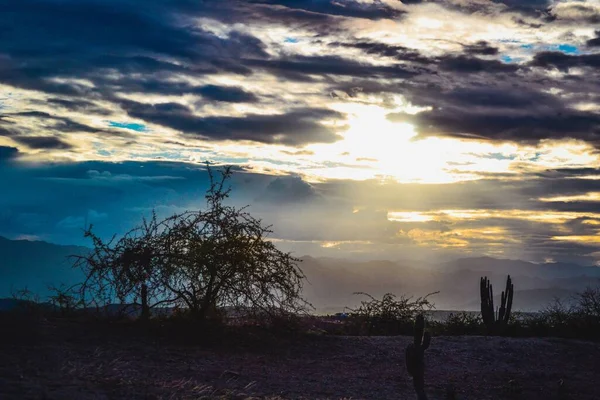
x,y
391,315
495,323
462,323
415,356
26,301
65,299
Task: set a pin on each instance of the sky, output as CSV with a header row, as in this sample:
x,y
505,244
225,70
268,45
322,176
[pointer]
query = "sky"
x,y
357,128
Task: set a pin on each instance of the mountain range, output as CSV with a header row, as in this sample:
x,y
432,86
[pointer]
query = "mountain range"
x,y
331,283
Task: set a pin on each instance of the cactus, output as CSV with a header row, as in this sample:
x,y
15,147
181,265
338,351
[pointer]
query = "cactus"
x,y
493,324
415,355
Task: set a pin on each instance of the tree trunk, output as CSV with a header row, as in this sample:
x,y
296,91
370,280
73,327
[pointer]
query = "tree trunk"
x,y
145,307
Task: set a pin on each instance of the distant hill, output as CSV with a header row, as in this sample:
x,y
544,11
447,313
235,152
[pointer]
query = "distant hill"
x,y
332,282
520,268
35,265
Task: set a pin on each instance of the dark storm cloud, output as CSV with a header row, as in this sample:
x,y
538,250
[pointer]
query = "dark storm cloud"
x,y
461,63
513,126
43,142
98,40
375,10
154,85
226,94
77,105
594,42
93,27
8,153
526,6
301,67
469,64
562,61
570,172
400,53
512,106
296,127
83,38
481,48
56,123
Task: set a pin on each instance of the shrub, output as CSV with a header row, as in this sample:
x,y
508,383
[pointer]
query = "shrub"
x,y
463,323
388,316
203,262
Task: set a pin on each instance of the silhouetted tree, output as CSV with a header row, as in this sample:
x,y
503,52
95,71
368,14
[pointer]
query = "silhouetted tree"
x,y
220,258
127,269
203,261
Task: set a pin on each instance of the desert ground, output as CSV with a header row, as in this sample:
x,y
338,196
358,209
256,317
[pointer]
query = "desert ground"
x,y
48,363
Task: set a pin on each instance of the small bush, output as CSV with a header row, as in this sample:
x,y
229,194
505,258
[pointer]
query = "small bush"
x,y
463,323
388,316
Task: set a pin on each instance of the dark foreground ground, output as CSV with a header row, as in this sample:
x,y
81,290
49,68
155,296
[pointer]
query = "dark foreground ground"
x,y
61,361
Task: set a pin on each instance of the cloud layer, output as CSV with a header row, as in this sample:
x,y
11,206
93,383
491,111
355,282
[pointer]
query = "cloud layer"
x,y
371,126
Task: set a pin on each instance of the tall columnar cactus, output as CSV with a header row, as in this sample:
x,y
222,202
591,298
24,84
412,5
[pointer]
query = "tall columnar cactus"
x,y
415,355
488,314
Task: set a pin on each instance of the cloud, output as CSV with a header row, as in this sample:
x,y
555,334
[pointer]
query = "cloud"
x,y
226,94
400,53
356,9
8,153
467,64
560,60
290,189
595,41
575,11
502,96
296,127
481,48
54,201
43,142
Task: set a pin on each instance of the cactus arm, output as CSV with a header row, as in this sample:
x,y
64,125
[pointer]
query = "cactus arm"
x,y
491,297
426,340
502,307
419,330
487,303
509,294
415,355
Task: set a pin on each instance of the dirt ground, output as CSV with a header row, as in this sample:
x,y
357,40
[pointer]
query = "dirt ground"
x,y
317,368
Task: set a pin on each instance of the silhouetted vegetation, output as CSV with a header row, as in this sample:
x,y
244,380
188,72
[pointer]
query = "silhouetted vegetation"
x,y
204,264
495,324
389,316
580,318
415,356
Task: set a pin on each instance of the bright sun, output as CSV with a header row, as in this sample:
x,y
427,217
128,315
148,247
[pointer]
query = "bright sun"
x,y
388,149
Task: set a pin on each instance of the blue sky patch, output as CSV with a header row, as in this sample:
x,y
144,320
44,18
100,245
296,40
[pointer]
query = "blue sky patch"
x,y
498,156
567,48
104,153
128,125
291,40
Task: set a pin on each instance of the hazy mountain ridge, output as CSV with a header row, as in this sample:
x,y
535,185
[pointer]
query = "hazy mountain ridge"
x,y
332,282
35,265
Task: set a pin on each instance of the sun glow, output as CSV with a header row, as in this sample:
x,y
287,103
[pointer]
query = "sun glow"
x,y
386,148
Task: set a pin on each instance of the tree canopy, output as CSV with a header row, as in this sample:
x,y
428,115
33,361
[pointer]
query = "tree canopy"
x,y
203,261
